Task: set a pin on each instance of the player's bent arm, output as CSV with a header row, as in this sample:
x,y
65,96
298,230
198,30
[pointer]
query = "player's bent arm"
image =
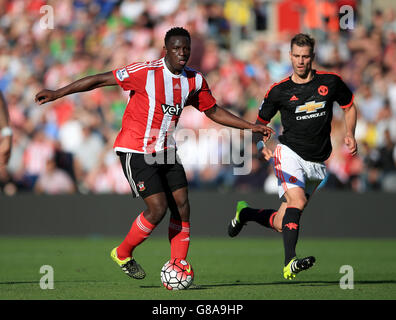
x,y
84,84
226,118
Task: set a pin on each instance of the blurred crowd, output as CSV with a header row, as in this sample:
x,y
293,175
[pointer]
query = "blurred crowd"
x,y
66,146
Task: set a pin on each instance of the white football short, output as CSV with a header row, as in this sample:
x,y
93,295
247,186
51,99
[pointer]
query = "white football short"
x,y
293,171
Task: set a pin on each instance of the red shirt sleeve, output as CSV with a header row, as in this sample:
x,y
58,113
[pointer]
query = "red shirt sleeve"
x,y
203,99
126,77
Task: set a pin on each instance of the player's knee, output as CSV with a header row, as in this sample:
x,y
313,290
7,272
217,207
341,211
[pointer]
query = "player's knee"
x,y
184,209
299,203
156,211
182,204
303,203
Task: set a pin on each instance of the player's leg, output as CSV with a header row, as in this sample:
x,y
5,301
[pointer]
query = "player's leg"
x,y
145,182
141,229
144,224
269,218
297,200
174,177
244,214
264,217
278,217
291,172
291,184
179,223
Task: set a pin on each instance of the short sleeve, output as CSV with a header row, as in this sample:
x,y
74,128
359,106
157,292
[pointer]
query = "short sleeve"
x,y
268,107
125,77
344,96
203,98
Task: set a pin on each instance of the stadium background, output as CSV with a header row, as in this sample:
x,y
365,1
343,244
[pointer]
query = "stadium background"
x,y
242,48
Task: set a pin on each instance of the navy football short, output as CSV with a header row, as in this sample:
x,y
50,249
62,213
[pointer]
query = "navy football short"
x,y
153,173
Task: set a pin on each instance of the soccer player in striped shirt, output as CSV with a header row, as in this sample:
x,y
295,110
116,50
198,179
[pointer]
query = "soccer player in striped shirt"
x,y
305,102
159,90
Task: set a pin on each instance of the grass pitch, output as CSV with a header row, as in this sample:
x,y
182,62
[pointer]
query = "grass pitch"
x,y
225,269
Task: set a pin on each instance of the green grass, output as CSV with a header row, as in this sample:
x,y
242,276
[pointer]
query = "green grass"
x,y
237,269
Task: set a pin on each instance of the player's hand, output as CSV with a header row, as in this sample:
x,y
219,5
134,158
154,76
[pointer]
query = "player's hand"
x,y
267,153
5,150
350,142
45,96
264,130
264,150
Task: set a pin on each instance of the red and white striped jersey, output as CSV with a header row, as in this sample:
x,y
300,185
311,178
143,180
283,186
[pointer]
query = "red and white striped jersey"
x,y
157,98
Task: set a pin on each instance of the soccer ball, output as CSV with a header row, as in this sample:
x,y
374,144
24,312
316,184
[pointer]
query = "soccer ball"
x,y
177,274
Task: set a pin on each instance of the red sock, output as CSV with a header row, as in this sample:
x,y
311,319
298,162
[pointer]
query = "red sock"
x,y
179,237
140,230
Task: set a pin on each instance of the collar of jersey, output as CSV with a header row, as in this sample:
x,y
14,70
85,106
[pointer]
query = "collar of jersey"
x,y
169,72
310,81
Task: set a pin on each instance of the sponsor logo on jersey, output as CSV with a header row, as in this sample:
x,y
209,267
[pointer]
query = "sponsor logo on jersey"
x,y
323,90
310,106
311,109
294,98
122,74
172,110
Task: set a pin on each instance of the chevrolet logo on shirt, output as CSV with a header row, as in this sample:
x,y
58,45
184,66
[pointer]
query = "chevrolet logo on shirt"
x,y
310,108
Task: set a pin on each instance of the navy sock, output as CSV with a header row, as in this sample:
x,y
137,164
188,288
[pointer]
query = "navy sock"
x,y
290,228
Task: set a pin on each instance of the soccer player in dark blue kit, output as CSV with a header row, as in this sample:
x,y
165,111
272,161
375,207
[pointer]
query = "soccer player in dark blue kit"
x,y
305,102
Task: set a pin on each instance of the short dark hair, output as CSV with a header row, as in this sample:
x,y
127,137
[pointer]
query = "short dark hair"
x,y
176,31
303,40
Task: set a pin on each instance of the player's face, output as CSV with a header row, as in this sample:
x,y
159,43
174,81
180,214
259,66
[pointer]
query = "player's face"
x,y
301,59
177,54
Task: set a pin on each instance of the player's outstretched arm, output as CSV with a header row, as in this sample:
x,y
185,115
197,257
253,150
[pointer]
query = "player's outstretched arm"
x,y
350,115
226,118
84,84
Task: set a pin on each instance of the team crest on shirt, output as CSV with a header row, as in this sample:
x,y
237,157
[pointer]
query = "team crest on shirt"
x,y
141,186
323,90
